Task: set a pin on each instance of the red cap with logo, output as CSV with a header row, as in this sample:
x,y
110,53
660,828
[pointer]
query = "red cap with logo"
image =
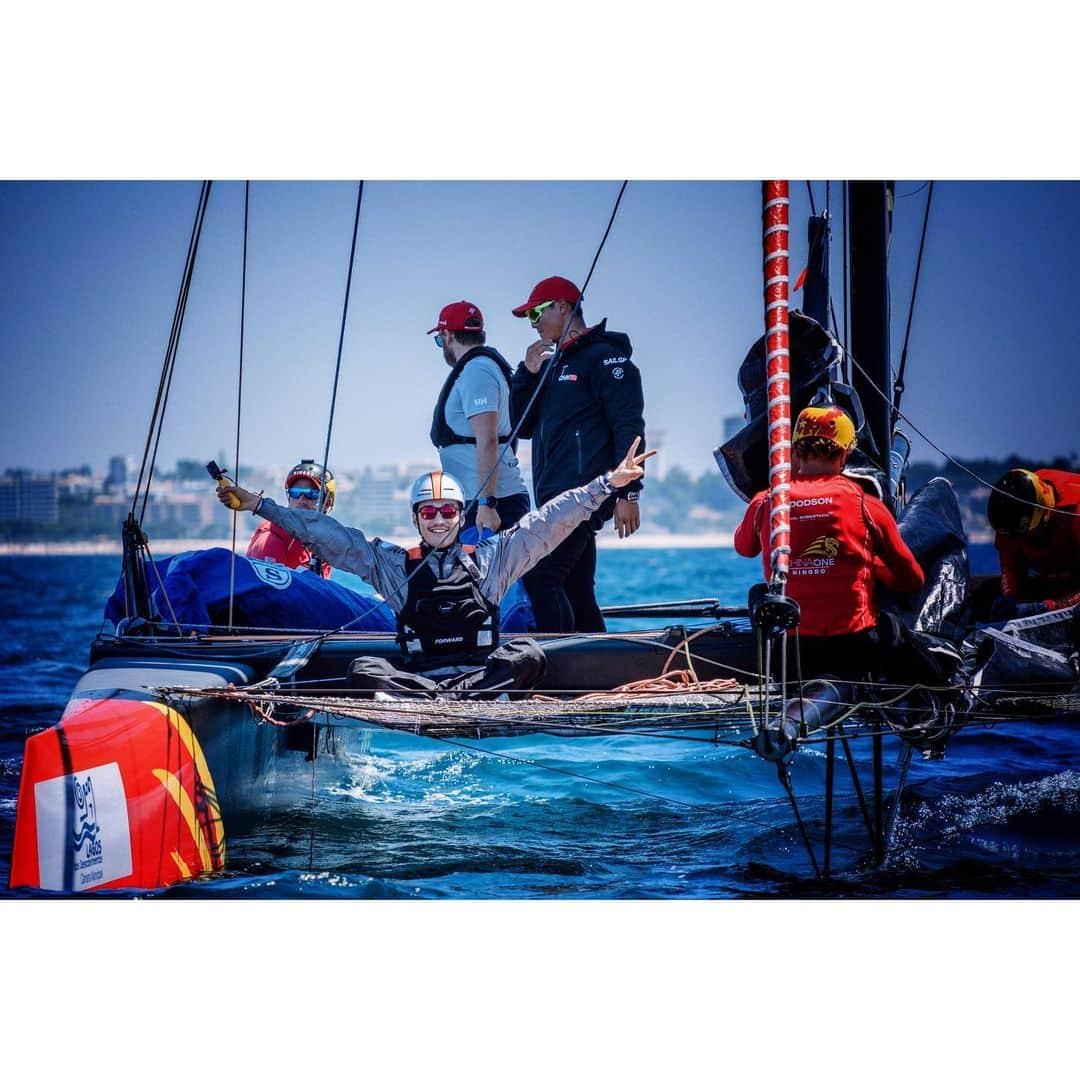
x,y
461,315
551,288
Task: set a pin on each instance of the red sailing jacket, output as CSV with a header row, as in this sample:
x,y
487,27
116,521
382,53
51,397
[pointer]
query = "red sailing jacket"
x,y
843,541
1052,551
276,545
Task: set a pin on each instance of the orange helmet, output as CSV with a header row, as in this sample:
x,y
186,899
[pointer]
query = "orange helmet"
x,y
826,422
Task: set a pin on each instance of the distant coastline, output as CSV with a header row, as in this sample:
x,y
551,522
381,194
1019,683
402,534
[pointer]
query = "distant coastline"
x,y
605,539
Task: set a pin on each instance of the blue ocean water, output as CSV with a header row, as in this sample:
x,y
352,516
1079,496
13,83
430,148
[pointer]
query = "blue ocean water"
x,y
622,816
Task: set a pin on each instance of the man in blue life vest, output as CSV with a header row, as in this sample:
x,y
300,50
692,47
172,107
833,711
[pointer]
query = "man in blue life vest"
x,y
590,410
471,423
445,594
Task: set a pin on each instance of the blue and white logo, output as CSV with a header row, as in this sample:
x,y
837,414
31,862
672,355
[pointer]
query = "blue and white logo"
x,y
271,573
82,822
86,837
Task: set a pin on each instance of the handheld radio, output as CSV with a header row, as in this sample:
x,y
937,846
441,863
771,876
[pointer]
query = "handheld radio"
x,y
222,481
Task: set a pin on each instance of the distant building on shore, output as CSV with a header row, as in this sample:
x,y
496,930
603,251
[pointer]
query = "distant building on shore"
x,y
30,497
121,469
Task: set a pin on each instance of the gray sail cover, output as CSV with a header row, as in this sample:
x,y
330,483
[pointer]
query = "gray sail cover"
x,y
815,366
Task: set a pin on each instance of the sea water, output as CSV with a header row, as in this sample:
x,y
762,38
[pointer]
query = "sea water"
x,y
620,816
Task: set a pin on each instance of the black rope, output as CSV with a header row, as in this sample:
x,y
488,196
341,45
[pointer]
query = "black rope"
x,y
165,383
785,781
908,194
898,385
525,412
239,393
810,192
341,342
168,350
603,239
1060,510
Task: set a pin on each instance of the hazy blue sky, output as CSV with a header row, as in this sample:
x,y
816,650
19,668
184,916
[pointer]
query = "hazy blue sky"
x,y
89,274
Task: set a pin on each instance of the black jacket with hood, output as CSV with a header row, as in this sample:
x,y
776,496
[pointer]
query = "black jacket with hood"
x,y
589,412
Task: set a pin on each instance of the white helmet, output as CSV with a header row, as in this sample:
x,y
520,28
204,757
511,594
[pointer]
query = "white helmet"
x,y
436,485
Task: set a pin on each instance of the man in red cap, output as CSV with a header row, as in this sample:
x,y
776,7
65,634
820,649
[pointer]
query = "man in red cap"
x,y
843,542
582,414
471,423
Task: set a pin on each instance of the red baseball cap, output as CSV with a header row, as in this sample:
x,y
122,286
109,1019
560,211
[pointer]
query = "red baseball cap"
x,y
551,288
460,315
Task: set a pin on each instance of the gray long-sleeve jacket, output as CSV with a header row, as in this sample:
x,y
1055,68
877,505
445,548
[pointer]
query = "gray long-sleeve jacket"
x,y
501,559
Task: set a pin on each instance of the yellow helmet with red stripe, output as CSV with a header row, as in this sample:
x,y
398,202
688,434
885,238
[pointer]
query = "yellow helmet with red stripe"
x,y
436,485
828,423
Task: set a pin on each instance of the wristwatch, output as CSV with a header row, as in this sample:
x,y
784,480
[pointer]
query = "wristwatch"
x,y
489,500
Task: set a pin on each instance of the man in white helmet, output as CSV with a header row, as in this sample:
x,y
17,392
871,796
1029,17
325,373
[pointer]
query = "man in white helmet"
x,y
445,594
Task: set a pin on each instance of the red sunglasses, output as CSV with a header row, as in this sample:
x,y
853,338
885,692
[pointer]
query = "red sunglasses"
x,y
449,511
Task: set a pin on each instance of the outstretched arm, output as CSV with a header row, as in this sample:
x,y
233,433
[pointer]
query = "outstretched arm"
x,y
514,552
380,564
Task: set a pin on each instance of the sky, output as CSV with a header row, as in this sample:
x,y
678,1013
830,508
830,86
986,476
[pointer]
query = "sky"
x,y
89,274
88,281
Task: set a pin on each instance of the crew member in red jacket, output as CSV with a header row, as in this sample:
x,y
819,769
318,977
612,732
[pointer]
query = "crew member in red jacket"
x,y
843,543
1036,516
303,486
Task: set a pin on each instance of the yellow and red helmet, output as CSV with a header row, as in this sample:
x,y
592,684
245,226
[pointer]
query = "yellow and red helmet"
x,y
1019,502
827,422
307,469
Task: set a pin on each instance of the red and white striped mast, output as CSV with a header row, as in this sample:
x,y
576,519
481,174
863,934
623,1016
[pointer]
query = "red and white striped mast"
x,y
775,204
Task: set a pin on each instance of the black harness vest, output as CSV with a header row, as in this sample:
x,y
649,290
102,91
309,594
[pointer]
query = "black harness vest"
x,y
441,432
447,615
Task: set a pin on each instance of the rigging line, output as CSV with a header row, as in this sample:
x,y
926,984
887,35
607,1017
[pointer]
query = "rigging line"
x,y
603,239
181,300
898,384
948,457
546,375
908,194
542,382
810,192
186,291
341,342
161,585
239,393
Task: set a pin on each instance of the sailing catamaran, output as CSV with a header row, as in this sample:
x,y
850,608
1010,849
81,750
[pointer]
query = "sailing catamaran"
x,y
178,736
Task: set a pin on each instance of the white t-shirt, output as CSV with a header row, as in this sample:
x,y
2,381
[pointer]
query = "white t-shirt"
x,y
480,388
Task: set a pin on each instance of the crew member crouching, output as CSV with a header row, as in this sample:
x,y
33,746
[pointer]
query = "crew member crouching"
x,y
844,542
1036,516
